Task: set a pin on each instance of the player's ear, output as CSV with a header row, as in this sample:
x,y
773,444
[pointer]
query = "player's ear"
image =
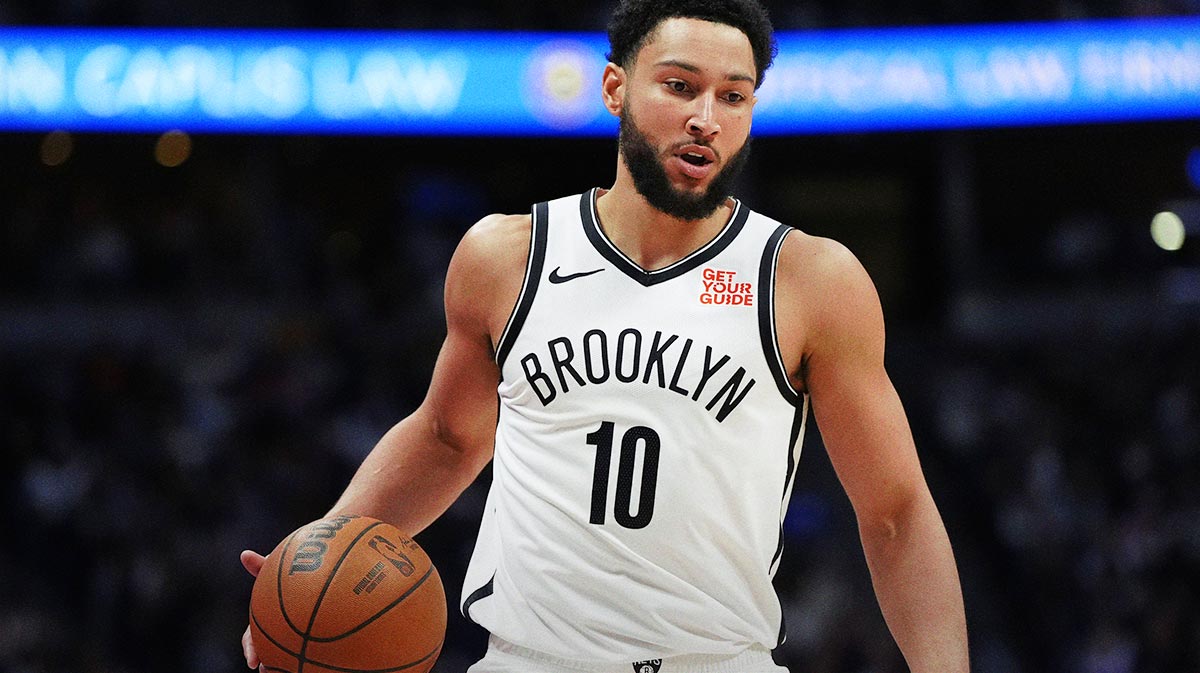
x,y
612,88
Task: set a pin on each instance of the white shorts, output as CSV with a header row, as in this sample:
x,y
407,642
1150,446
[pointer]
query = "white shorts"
x,y
504,657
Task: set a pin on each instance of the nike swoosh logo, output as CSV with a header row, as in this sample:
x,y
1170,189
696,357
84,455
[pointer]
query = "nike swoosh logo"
x,y
555,278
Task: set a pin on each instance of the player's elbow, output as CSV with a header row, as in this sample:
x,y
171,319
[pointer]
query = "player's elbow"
x,y
896,518
465,440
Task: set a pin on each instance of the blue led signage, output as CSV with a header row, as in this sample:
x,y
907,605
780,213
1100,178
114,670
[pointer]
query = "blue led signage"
x,y
258,81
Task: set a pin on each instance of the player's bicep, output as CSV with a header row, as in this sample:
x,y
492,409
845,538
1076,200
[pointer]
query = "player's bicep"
x,y
460,407
858,412
482,282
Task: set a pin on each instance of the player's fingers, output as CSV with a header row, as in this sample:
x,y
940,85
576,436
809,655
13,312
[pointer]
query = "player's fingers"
x,y
252,561
248,650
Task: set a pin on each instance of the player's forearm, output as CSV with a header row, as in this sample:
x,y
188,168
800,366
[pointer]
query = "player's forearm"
x,y
916,581
411,476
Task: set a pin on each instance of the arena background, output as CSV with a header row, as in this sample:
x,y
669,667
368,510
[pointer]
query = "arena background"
x,y
193,359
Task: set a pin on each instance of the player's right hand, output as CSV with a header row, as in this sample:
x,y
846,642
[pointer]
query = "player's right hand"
x,y
252,561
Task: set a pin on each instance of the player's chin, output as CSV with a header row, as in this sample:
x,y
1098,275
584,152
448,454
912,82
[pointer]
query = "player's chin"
x,y
693,187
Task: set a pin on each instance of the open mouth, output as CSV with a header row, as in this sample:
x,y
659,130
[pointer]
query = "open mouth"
x,y
695,159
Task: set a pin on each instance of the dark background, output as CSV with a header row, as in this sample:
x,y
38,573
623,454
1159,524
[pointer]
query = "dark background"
x,y
193,360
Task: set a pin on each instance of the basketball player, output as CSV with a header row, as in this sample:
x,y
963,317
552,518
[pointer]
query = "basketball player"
x,y
656,347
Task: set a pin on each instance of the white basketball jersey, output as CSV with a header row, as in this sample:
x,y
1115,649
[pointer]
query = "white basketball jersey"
x,y
645,452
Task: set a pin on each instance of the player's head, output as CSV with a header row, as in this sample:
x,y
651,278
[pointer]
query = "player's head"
x,y
634,22
681,77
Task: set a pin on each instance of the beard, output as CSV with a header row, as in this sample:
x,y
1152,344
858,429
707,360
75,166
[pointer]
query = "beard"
x,y
651,181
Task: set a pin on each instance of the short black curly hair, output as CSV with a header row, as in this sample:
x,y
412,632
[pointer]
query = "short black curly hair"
x,y
634,21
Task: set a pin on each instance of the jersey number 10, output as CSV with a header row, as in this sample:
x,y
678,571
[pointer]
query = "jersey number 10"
x,y
602,439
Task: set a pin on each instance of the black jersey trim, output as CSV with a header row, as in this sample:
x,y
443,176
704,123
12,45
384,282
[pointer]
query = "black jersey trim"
x,y
480,593
533,274
795,439
606,248
766,314
798,422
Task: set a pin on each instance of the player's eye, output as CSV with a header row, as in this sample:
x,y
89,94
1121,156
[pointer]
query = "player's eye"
x,y
677,86
734,97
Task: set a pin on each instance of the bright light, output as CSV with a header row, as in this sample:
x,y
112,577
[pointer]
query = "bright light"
x,y
1167,231
56,148
173,148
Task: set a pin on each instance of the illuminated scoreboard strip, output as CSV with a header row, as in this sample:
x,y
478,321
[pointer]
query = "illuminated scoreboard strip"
x,y
370,82
298,81
1017,74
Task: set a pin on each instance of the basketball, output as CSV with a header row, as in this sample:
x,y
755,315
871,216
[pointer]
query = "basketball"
x,y
348,594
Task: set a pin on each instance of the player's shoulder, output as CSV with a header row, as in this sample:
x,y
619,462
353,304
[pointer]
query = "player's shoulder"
x,y
496,243
498,231
824,282
802,251
498,224
816,259
486,272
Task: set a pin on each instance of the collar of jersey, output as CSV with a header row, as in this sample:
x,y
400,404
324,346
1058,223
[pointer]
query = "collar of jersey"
x,y
606,248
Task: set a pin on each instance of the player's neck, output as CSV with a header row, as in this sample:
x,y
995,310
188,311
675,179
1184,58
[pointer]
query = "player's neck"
x,y
648,236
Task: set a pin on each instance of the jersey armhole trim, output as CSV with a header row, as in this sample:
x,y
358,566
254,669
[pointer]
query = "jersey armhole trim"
x,y
533,274
795,446
480,593
766,314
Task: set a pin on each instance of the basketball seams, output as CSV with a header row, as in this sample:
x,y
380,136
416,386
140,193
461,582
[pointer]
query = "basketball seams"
x,y
326,654
268,636
416,585
331,667
418,662
279,583
312,619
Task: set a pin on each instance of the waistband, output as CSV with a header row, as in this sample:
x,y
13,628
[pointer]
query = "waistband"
x,y
755,659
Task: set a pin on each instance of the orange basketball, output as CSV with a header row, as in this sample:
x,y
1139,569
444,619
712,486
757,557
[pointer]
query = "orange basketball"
x,y
348,594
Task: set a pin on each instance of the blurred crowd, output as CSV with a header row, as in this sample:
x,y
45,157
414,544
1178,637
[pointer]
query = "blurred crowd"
x,y
194,361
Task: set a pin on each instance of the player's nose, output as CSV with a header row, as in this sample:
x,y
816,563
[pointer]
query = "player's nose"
x,y
702,122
